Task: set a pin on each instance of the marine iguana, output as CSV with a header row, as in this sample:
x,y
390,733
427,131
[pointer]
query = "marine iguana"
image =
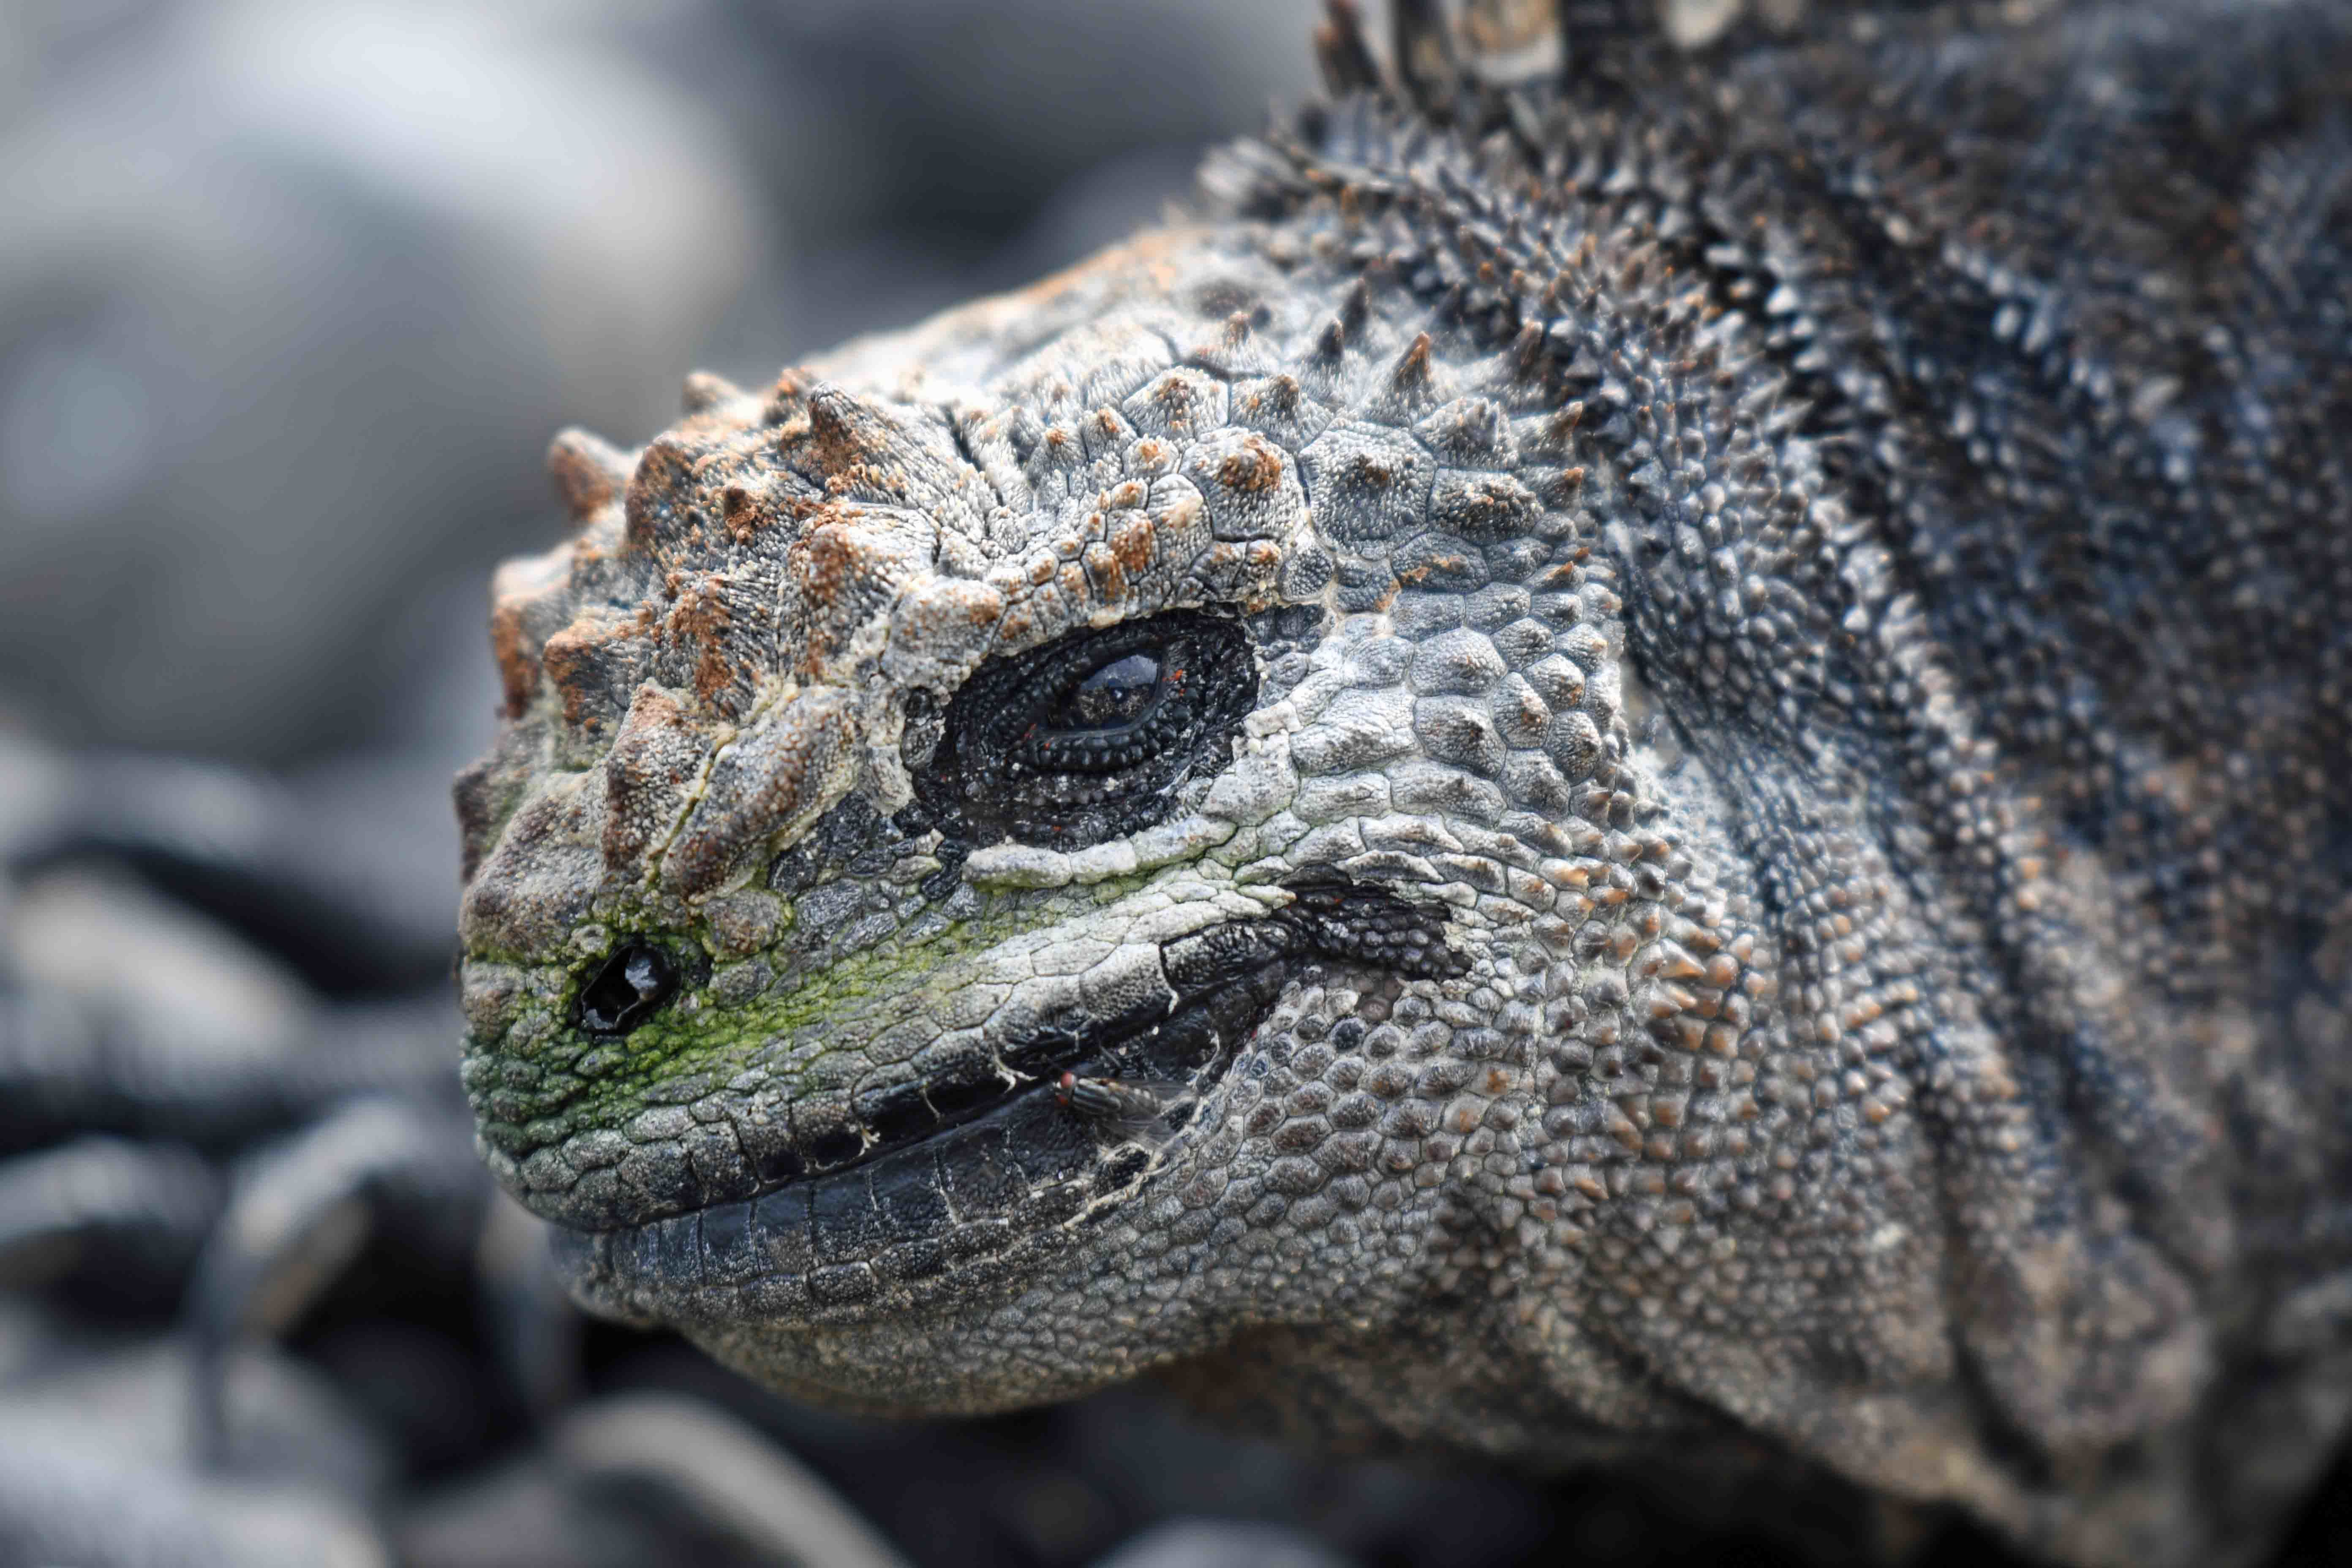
x,y
1648,754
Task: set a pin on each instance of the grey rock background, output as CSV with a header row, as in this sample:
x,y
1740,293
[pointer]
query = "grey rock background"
x,y
293,292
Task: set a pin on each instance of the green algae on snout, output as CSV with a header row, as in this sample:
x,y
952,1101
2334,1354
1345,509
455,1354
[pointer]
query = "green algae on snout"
x,y
543,1080
694,1047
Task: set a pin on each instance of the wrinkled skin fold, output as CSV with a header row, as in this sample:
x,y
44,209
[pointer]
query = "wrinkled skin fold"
x,y
1674,728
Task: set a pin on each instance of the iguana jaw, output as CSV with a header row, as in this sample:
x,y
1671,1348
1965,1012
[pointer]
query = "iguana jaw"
x,y
947,1174
940,1171
945,1320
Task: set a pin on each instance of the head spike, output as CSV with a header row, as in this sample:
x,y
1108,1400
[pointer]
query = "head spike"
x,y
1454,305
1325,364
853,445
704,391
1528,354
1561,490
867,449
787,400
664,476
1234,351
1330,348
588,471
1424,56
1343,57
529,602
1412,373
1355,310
842,425
1411,388
1504,43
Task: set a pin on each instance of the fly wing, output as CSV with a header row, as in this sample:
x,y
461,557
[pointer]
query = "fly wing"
x,y
1139,1110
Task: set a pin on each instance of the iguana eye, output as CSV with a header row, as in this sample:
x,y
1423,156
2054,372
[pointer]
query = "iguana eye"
x,y
1116,694
1089,738
627,989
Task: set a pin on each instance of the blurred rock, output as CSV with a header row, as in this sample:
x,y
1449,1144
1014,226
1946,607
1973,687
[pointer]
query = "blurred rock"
x,y
289,297
107,1391
293,293
1221,1544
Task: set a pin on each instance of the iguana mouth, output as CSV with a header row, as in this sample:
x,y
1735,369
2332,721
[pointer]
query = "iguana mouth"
x,y
930,1175
1183,1034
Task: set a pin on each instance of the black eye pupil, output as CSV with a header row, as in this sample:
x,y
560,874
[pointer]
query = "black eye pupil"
x,y
626,989
1116,694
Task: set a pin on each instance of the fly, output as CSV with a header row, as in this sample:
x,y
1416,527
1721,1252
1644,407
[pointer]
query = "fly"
x,y
1132,1109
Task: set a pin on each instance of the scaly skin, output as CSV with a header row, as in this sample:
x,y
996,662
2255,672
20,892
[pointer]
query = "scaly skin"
x,y
1746,840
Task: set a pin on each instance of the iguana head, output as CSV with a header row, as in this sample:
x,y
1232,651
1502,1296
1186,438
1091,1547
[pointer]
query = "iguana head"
x,y
1196,669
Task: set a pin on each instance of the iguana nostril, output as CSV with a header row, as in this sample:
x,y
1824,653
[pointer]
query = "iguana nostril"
x,y
628,989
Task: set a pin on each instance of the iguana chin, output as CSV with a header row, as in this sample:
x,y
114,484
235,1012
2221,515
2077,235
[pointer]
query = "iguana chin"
x,y
1650,754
